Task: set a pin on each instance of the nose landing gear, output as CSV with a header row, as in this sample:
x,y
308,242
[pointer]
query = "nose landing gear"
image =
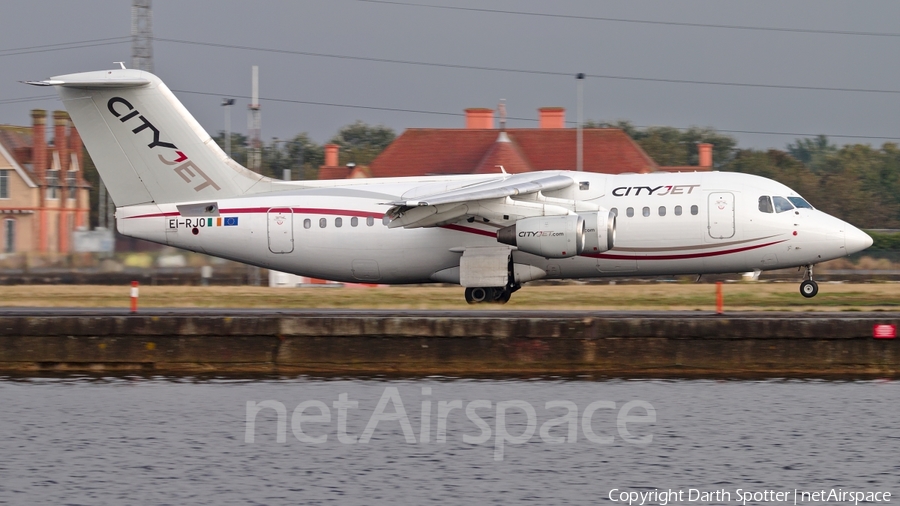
x,y
809,288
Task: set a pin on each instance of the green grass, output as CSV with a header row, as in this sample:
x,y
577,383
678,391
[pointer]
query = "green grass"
x,y
737,296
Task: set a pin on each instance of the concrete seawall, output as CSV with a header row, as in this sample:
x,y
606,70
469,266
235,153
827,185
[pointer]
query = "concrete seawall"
x,y
453,343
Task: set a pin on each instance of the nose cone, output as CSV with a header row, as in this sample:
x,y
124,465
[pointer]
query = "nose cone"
x,y
856,240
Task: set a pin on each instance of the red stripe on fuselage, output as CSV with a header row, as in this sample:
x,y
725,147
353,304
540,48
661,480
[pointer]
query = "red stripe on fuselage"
x,y
264,210
470,230
612,256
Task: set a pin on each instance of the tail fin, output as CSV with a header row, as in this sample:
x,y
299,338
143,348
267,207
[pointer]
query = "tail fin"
x,y
145,144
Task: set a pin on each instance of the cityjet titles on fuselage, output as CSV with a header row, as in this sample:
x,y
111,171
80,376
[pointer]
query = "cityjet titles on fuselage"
x,y
634,191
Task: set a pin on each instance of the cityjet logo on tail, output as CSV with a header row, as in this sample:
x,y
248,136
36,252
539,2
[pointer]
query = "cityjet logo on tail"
x,y
678,189
188,170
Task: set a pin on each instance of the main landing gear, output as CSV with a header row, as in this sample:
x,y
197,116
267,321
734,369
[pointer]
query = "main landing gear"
x,y
809,288
495,294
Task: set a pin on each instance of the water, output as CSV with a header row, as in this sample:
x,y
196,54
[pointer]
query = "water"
x,y
185,441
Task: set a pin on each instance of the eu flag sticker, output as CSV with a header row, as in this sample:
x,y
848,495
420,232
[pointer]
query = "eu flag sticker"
x,y
231,221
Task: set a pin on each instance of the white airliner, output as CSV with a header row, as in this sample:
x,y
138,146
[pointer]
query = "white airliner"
x,y
492,233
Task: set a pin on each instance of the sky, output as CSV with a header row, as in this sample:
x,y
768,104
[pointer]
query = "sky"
x,y
764,71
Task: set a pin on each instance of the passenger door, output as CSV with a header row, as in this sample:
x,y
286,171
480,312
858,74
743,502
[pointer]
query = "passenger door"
x,y
721,215
281,229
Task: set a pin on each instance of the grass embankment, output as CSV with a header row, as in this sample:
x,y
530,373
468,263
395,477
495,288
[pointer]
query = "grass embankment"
x,y
650,296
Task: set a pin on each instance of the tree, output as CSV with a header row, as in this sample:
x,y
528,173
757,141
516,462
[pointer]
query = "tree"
x,y
360,143
813,152
857,183
299,154
670,146
861,183
780,166
239,145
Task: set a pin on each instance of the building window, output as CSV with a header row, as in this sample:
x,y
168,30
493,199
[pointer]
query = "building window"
x,y
677,210
322,222
53,184
662,210
307,223
9,236
354,221
70,185
338,222
4,184
695,210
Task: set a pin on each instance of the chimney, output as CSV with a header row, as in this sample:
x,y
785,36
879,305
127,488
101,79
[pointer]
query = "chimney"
x,y
331,155
552,117
331,169
479,117
705,155
61,141
39,142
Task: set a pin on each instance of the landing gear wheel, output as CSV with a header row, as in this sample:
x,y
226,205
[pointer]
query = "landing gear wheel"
x,y
504,296
809,288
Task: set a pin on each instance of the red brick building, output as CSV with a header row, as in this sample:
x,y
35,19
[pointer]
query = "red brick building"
x,y
43,194
480,148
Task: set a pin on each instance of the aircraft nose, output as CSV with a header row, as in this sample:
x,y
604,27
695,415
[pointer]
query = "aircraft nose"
x,y
856,240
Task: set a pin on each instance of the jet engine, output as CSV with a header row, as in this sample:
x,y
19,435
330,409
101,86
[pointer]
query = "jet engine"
x,y
599,231
547,236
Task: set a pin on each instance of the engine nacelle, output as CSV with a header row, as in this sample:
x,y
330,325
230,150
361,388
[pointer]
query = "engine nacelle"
x,y
547,236
599,231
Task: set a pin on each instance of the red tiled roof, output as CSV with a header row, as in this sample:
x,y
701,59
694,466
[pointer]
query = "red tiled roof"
x,y
17,141
503,152
465,151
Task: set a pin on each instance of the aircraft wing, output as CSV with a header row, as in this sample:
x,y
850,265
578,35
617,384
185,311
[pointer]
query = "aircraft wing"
x,y
448,206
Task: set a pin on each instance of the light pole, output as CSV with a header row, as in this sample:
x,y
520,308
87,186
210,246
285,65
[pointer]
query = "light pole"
x,y
579,79
227,103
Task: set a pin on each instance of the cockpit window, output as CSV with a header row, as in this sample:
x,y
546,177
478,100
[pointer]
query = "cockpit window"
x,y
765,204
800,203
782,204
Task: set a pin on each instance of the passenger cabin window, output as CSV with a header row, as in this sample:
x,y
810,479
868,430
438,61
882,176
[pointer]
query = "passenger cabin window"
x,y
629,212
307,223
800,203
646,212
765,204
354,221
338,222
370,221
322,222
695,210
662,210
782,204
677,210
